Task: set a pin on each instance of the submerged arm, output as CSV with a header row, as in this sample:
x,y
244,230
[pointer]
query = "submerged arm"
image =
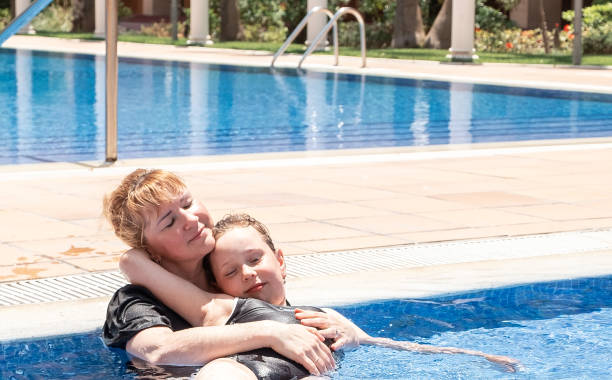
x,y
346,334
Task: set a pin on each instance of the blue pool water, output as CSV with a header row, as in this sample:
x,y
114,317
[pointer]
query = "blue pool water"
x,y
559,329
52,109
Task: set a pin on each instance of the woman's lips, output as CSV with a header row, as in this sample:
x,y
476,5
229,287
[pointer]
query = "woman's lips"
x,y
198,235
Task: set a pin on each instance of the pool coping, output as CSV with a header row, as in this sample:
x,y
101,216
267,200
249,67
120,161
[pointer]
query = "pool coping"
x,y
418,281
388,67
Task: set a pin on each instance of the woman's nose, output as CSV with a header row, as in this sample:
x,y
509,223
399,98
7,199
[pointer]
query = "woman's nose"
x,y
190,219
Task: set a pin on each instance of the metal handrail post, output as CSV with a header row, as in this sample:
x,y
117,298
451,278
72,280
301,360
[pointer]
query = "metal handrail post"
x,y
331,22
299,28
111,80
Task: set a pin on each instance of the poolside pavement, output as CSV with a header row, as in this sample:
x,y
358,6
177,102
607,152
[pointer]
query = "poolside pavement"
x,y
316,202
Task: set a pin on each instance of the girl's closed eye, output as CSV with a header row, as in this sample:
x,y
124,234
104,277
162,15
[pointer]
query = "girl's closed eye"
x,y
230,273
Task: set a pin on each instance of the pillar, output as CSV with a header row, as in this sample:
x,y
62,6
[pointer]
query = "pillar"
x,y
316,23
20,6
462,31
199,29
100,25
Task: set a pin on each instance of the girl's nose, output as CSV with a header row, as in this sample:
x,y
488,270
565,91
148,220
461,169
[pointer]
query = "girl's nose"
x,y
247,272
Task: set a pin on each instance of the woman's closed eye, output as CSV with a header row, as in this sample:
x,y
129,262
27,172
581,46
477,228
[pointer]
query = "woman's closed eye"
x,y
255,259
188,204
170,224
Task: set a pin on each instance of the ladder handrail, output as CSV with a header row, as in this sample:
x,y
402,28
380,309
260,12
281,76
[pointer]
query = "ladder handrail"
x,y
23,19
331,22
300,27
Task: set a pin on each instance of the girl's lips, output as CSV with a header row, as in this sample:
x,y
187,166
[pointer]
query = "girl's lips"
x,y
255,288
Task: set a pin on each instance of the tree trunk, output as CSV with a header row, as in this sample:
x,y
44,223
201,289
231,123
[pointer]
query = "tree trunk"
x,y
84,15
544,27
439,36
407,25
230,20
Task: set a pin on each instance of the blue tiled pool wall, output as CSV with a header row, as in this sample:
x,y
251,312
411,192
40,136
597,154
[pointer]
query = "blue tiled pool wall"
x,y
487,317
418,319
56,101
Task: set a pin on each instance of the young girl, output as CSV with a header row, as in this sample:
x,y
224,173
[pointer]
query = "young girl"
x,y
246,265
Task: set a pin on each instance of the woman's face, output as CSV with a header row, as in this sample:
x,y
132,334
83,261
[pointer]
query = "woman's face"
x,y
179,230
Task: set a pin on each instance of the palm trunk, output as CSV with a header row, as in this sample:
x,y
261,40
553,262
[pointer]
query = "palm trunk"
x,y
439,36
407,25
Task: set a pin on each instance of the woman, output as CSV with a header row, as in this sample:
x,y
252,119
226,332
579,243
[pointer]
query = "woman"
x,y
178,237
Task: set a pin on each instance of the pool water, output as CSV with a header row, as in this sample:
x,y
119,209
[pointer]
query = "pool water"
x,y
559,329
52,109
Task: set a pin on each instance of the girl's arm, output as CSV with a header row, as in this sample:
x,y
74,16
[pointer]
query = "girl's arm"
x,y
196,306
346,334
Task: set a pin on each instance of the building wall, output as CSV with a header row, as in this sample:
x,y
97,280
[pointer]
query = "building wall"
x,y
526,14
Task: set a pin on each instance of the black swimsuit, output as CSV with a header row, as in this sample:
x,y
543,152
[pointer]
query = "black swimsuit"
x,y
264,362
133,309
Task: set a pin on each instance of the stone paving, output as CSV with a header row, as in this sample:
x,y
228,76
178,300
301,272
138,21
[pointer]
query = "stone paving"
x,y
324,201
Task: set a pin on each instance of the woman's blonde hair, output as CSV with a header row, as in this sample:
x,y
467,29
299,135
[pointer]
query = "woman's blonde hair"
x,y
139,192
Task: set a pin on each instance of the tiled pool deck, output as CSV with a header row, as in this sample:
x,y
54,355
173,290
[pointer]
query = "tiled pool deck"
x,y
318,202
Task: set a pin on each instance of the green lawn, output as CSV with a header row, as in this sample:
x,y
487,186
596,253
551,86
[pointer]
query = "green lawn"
x,y
412,54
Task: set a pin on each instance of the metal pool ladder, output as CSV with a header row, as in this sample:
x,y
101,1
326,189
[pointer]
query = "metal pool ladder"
x,y
332,23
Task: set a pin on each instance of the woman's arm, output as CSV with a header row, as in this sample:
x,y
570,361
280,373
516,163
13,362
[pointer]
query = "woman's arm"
x,y
199,345
195,305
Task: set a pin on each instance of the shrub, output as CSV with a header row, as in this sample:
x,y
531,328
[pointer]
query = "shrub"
x,y
5,17
490,19
596,28
517,41
262,20
378,16
162,29
55,18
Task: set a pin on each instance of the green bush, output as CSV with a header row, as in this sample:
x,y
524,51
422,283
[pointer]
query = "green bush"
x,y
55,18
517,41
262,20
596,28
490,19
5,17
378,16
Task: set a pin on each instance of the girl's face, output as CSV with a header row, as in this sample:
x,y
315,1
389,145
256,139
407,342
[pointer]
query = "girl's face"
x,y
244,266
179,230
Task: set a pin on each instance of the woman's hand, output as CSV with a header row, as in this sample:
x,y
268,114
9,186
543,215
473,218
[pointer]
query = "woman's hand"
x,y
333,325
303,345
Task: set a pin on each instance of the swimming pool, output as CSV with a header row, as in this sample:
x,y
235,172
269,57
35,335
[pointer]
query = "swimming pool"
x,y
558,329
52,109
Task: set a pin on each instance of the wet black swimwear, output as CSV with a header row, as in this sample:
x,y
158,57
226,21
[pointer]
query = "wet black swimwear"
x,y
134,308
266,363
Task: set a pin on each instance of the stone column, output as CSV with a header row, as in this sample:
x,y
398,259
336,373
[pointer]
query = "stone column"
x,y
199,29
20,6
147,7
316,23
462,31
100,12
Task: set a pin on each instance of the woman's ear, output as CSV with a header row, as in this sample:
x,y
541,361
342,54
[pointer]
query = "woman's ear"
x,y
280,256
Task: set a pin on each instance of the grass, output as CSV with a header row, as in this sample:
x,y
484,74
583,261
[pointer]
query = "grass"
x,y
410,54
